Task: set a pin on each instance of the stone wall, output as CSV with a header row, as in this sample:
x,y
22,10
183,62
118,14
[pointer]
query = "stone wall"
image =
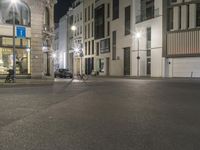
x,y
38,60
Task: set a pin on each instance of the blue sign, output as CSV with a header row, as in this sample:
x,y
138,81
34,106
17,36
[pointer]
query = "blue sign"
x,y
21,32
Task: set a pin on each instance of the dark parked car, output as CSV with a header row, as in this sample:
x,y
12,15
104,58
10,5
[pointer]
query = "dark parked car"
x,y
63,73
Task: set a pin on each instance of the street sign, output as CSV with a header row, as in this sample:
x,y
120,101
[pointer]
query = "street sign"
x,y
21,32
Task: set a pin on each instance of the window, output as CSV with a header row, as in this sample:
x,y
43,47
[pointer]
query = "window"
x,y
128,20
89,30
92,29
92,11
108,28
115,9
88,13
47,18
81,16
22,61
173,1
81,30
198,15
85,14
89,52
188,16
85,31
105,45
180,17
108,10
114,42
20,43
148,38
22,56
147,9
22,14
99,22
85,48
171,19
97,48
92,47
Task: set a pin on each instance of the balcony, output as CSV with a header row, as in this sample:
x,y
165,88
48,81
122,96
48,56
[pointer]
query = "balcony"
x,y
141,18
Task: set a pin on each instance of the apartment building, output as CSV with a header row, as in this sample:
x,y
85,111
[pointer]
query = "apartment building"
x,y
154,38
108,27
181,43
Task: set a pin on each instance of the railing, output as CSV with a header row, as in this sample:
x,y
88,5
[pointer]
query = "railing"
x,y
183,43
140,18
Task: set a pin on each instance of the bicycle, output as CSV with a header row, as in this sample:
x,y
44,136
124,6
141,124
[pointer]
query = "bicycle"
x,y
82,77
10,76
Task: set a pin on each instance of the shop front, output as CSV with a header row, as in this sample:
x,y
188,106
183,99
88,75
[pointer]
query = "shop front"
x,y
23,54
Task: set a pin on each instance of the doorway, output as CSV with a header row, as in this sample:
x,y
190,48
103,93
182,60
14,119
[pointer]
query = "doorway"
x,y
127,61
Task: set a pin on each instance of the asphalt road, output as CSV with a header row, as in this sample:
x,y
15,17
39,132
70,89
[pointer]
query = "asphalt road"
x,y
101,114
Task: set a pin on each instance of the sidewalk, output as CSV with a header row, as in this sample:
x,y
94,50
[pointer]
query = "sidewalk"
x,y
27,82
148,78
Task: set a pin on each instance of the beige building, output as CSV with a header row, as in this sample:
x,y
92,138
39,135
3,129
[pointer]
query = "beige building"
x,y
34,52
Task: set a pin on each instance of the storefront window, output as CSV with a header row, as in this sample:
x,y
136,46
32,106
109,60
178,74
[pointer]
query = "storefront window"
x,y
22,61
21,43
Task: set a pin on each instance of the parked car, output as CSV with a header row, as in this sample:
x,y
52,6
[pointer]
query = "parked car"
x,y
63,73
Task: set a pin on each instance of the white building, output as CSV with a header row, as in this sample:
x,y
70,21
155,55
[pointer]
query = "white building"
x,y
63,43
181,38
147,38
155,38
77,29
121,38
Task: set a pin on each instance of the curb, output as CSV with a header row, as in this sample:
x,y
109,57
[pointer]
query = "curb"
x,y
26,83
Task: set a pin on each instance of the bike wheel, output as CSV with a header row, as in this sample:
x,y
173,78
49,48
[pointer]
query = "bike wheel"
x,y
8,81
85,77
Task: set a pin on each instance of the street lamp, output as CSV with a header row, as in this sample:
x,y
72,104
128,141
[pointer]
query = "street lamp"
x,y
13,2
73,28
138,36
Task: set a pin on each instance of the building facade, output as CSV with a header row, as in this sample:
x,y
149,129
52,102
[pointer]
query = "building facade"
x,y
60,44
121,37
154,38
147,48
102,37
88,23
77,29
33,53
181,43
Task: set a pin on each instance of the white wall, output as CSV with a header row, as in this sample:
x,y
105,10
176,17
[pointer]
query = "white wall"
x,y
156,42
184,67
117,66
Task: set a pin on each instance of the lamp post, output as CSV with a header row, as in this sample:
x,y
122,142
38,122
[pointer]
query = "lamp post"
x,y
13,2
138,36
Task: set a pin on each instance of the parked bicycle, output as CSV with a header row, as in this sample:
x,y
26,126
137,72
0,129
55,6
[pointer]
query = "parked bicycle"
x,y
82,77
10,76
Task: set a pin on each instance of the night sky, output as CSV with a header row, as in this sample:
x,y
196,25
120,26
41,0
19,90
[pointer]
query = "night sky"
x,y
61,8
